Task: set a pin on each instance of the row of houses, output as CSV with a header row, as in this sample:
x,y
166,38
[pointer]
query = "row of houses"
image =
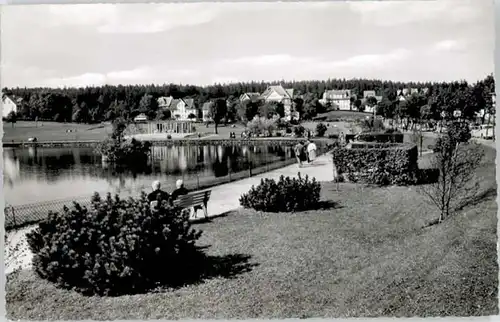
x,y
343,99
185,109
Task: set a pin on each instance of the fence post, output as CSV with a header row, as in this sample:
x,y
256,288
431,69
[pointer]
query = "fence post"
x,y
249,167
198,179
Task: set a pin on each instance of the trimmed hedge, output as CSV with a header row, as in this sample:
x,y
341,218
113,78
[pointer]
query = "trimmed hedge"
x,y
371,145
381,137
378,165
285,195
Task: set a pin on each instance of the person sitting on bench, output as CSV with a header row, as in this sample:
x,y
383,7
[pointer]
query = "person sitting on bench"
x,y
180,191
157,195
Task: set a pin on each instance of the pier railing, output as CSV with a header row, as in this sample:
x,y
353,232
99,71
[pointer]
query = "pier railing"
x,y
21,215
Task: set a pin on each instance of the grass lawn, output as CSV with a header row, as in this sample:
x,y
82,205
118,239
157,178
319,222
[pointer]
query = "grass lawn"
x,y
331,127
223,131
367,256
54,131
344,114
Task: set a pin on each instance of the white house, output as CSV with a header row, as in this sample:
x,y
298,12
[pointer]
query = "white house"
x,y
205,111
141,118
278,94
340,99
367,94
8,106
183,108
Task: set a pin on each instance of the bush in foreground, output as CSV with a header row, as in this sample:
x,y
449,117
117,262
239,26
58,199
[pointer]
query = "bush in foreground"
x,y
116,247
285,195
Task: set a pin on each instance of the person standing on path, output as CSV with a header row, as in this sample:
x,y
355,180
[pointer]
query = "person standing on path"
x,y
342,139
298,149
311,151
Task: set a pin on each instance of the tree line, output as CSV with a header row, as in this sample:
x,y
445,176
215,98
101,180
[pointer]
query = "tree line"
x,y
104,103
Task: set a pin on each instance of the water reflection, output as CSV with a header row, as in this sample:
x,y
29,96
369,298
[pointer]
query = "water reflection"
x,y
44,174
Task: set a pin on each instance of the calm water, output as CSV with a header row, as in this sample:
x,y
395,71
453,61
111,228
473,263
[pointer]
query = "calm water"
x,y
45,174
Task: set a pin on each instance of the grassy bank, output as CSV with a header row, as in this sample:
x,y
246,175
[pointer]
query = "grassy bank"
x,y
53,131
366,254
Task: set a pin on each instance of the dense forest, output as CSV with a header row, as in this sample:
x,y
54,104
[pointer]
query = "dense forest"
x,y
97,104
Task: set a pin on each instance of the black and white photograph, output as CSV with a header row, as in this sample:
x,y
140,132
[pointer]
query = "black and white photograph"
x,y
249,160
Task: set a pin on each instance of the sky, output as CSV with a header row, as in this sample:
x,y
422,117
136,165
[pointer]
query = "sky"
x,y
206,43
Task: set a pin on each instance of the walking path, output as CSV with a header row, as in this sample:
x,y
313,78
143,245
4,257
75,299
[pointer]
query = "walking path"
x,y
224,198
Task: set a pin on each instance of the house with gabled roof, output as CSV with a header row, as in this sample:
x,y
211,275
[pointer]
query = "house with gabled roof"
x,y
165,102
278,94
181,108
339,98
9,105
249,97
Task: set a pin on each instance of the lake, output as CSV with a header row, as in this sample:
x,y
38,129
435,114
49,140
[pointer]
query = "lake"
x,y
33,175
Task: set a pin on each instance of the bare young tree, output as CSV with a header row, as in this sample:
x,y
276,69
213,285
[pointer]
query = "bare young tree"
x,y
457,164
417,138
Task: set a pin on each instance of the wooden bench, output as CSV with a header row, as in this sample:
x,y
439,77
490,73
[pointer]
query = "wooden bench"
x,y
193,199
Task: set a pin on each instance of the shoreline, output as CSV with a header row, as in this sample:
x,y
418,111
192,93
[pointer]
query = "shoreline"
x,y
167,142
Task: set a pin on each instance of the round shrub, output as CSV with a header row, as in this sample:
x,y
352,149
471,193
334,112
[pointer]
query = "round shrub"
x,y
299,130
321,129
115,247
286,195
123,151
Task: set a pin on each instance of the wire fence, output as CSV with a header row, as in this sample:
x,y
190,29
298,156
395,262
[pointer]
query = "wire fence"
x,y
21,215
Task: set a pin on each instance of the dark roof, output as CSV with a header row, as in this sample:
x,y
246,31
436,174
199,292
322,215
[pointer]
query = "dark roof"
x,y
174,103
189,102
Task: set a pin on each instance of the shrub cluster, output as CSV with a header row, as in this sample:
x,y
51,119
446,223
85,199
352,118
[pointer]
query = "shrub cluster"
x,y
285,195
372,124
321,129
115,247
299,130
381,137
124,151
378,165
